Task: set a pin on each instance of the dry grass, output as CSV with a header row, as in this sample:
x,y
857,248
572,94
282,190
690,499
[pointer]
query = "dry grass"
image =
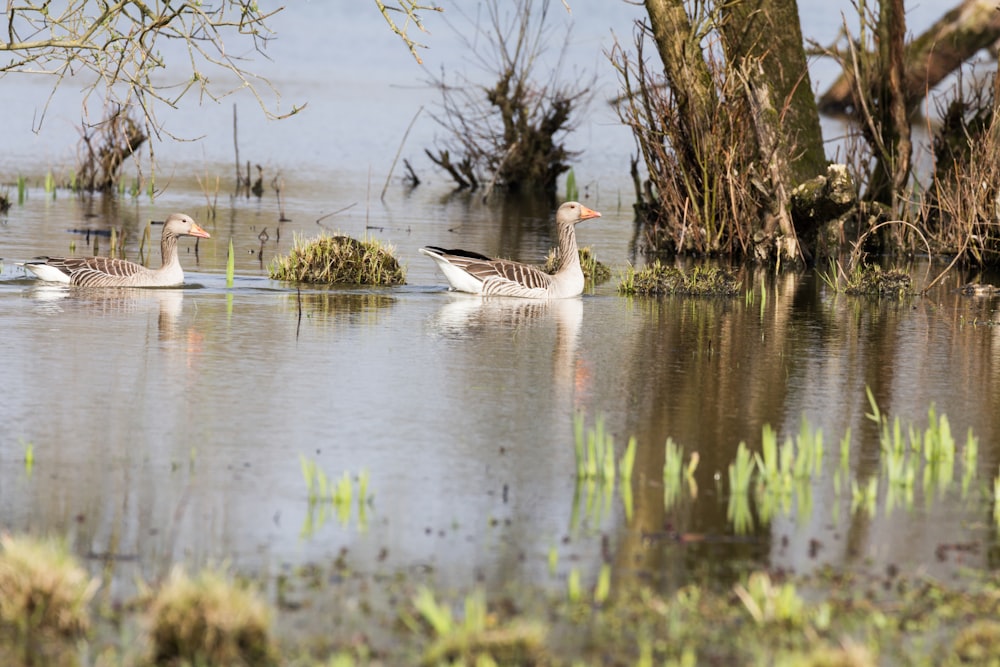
x,y
209,620
702,195
43,590
339,259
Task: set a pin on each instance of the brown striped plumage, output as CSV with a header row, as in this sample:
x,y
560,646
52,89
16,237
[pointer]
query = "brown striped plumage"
x,y
113,272
472,272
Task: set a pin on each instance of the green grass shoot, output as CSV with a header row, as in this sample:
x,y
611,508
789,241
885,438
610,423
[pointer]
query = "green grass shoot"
x,y
996,500
603,587
627,462
573,590
572,193
29,457
230,264
22,189
741,471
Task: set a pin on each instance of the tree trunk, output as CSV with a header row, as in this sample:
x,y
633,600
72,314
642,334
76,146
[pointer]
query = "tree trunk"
x,y
953,39
892,170
763,44
685,69
769,31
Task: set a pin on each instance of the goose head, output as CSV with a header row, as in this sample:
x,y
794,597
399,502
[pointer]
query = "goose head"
x,y
180,224
573,212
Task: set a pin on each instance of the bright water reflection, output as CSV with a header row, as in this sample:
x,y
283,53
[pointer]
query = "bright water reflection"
x,y
169,424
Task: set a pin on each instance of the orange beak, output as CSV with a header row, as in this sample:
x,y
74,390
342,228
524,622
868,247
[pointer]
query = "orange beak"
x,y
588,213
196,230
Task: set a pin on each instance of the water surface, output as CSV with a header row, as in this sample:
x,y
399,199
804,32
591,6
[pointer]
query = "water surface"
x,y
170,425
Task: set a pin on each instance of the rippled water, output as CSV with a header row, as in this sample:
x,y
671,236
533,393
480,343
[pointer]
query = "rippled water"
x,y
171,425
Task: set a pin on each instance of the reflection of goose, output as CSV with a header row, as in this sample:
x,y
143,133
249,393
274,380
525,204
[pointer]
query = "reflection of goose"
x,y
977,289
112,272
471,272
465,317
167,303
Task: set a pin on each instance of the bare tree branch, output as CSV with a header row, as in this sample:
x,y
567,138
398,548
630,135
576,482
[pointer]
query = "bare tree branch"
x,y
116,48
409,9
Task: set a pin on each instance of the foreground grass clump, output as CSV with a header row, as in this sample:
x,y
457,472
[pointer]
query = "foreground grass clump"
x,y
593,271
657,280
209,620
44,592
339,260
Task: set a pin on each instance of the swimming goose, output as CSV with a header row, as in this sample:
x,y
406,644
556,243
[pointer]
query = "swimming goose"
x,y
472,272
112,272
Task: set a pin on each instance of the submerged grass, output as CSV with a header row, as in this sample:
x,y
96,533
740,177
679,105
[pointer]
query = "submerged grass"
x,y
659,280
339,259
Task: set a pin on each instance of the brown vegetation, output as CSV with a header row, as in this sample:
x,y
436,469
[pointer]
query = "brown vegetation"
x,y
712,185
508,135
104,149
700,195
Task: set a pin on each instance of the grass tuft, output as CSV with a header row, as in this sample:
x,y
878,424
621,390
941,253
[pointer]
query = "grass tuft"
x,y
210,620
659,280
338,259
872,280
478,638
43,590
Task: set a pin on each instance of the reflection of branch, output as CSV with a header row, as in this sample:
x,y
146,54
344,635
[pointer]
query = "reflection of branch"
x,y
120,47
410,9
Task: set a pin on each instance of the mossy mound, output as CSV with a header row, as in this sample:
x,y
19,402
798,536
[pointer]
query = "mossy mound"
x,y
43,590
209,620
657,280
872,280
594,272
338,259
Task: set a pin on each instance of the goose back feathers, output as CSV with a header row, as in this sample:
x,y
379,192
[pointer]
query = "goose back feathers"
x,y
473,272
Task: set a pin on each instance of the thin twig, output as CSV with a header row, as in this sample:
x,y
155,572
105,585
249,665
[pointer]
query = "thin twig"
x,y
398,151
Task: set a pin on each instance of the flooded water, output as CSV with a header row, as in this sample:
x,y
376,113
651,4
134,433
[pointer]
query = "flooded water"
x,y
172,425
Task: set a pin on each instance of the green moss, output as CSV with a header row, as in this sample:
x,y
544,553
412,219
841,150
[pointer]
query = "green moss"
x,y
658,279
339,260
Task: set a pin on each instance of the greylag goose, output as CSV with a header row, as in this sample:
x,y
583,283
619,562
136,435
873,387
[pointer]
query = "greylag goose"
x,y
112,272
471,272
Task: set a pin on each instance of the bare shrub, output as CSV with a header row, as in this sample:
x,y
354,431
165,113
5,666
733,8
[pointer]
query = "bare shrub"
x,y
105,147
509,135
961,209
704,194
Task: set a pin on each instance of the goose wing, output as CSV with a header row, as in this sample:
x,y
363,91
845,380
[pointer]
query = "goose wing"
x,y
498,276
92,270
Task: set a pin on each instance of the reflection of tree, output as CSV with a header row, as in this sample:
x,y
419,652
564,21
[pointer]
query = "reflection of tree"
x,y
709,374
327,304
